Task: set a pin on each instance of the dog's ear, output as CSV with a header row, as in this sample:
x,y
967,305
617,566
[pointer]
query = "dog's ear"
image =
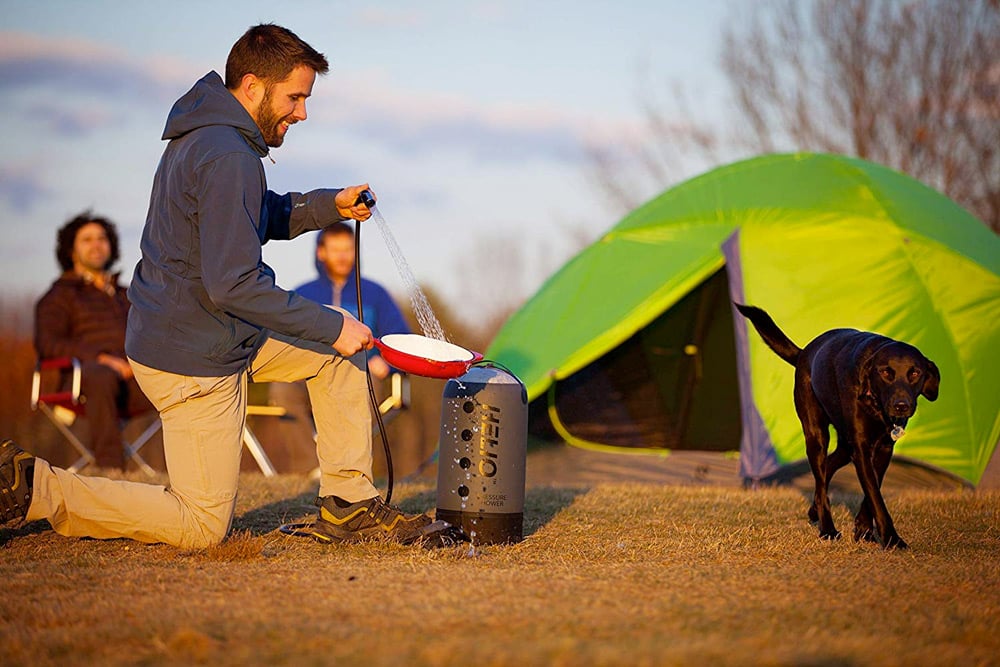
x,y
865,369
931,382
865,382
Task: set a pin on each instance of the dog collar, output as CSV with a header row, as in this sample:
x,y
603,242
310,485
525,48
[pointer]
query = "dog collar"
x,y
897,432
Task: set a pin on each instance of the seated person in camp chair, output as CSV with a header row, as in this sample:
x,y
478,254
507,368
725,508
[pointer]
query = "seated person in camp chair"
x,y
335,264
83,315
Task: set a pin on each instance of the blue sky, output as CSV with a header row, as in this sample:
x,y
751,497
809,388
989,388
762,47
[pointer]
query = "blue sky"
x,y
468,119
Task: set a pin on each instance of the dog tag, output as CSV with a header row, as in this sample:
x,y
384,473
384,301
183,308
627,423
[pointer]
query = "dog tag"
x,y
897,432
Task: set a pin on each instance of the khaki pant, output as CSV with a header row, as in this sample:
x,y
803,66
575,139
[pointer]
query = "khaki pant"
x,y
203,420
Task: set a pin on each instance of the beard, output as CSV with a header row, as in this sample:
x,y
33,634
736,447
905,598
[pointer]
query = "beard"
x,y
93,262
268,122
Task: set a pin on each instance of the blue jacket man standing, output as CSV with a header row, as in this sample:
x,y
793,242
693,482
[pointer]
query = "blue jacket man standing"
x,y
207,317
335,286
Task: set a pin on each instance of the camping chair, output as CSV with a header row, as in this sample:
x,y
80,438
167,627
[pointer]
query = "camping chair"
x,y
249,439
253,444
55,404
398,398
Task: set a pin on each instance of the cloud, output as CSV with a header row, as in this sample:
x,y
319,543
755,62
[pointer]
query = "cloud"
x,y
475,134
492,11
22,187
71,122
34,62
381,18
420,122
72,88
412,122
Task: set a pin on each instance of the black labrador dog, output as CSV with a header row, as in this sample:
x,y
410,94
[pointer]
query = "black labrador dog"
x,y
866,386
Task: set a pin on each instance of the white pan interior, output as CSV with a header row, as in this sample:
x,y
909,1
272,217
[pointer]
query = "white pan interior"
x,y
428,348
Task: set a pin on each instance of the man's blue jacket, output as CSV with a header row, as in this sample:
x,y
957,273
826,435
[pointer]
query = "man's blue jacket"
x,y
382,315
201,294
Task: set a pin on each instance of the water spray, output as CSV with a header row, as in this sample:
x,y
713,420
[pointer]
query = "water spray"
x,y
482,446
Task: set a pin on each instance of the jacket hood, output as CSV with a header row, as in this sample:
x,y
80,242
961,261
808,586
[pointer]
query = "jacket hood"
x,y
210,103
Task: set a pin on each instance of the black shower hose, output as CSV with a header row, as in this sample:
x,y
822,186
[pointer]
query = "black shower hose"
x,y
369,201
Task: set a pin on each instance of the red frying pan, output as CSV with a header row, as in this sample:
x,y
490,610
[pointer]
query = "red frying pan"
x,y
429,357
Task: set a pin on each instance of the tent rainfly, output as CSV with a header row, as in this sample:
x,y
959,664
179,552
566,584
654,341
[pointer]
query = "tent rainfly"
x,y
633,344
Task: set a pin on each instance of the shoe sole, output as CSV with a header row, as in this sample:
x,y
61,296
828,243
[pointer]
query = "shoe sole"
x,y
331,535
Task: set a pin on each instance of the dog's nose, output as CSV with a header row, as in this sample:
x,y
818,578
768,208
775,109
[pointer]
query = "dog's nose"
x,y
900,407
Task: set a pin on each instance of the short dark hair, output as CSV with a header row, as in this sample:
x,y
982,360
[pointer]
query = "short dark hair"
x,y
335,229
271,53
66,238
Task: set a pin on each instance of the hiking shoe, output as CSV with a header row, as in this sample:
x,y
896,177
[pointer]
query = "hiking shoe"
x,y
367,520
17,474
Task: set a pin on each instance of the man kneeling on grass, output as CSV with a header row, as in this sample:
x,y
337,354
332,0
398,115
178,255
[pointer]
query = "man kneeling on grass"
x,y
207,317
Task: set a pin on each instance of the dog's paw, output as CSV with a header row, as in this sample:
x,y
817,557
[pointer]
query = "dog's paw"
x,y
894,542
813,514
827,529
864,532
864,529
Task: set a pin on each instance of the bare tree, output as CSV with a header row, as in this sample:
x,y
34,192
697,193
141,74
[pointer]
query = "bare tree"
x,y
911,85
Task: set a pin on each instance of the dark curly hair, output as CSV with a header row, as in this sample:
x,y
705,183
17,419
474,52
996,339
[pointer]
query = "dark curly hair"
x,y
67,237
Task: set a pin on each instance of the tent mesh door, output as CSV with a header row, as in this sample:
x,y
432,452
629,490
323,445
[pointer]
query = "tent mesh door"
x,y
672,385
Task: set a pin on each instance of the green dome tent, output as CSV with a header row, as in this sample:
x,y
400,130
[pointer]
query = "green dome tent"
x,y
633,344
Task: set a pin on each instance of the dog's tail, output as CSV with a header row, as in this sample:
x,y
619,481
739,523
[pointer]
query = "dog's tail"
x,y
772,335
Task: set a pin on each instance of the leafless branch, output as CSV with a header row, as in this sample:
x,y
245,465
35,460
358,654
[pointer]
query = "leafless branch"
x,y
913,85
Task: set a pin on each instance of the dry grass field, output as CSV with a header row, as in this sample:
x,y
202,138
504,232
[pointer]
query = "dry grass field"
x,y
626,561
609,574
